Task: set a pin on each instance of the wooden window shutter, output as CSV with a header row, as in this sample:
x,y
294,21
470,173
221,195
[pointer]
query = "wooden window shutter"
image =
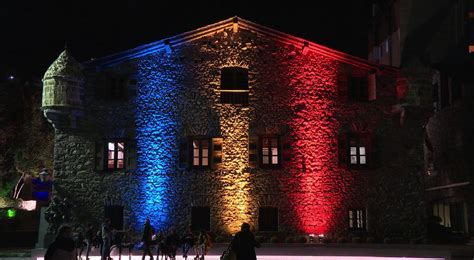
x,y
364,89
358,89
368,141
372,87
353,88
217,153
131,155
99,155
286,150
253,151
183,153
343,150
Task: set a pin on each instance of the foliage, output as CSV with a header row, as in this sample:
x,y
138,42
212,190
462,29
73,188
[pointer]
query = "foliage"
x,y
6,189
341,240
26,138
274,239
260,239
301,239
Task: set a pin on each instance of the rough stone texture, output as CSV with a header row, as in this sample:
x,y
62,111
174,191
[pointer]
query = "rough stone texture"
x,y
302,98
62,83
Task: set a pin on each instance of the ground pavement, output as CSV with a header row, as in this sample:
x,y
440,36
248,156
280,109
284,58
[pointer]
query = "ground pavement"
x,y
301,252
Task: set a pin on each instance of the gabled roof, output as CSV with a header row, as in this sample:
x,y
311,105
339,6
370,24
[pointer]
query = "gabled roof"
x,y
229,24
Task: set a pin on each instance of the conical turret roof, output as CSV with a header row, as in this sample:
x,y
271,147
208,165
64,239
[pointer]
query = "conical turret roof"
x,y
64,66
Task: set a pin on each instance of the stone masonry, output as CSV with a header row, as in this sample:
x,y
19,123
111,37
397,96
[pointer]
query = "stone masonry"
x,y
300,96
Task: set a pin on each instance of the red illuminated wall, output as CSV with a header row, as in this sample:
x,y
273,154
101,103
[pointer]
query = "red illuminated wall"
x,y
303,99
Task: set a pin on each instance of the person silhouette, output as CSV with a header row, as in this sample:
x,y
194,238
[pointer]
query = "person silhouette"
x,y
244,243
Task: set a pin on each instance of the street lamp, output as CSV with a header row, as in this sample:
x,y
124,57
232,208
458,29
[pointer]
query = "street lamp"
x,y
44,175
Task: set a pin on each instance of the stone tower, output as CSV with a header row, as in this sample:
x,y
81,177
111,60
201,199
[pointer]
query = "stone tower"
x,y
62,102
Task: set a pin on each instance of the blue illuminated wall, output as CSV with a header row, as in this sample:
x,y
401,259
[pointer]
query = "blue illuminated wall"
x,y
157,141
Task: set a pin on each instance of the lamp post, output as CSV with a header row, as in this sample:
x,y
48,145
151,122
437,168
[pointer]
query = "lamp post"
x,y
44,175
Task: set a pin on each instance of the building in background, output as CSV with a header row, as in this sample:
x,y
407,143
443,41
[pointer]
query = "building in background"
x,y
236,122
432,44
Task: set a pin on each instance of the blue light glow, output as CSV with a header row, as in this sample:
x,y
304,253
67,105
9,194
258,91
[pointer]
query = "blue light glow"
x,y
157,143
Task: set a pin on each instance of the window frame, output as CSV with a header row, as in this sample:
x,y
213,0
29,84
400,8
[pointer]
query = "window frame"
x,y
358,89
230,88
200,209
277,219
116,159
449,207
270,153
200,157
356,219
361,140
116,87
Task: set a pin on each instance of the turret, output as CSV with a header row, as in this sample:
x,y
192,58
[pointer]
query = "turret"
x,y
62,101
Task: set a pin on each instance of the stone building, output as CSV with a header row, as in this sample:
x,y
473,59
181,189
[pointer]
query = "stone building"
x,y
431,42
235,122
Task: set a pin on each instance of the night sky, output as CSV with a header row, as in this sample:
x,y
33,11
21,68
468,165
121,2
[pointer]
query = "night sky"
x,y
35,32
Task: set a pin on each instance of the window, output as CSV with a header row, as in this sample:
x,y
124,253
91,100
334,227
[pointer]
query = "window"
x,y
268,219
115,87
358,89
115,155
115,214
234,86
270,151
200,218
358,151
452,215
357,219
200,152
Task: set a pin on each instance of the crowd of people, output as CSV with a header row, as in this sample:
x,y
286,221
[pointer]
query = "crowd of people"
x,y
74,243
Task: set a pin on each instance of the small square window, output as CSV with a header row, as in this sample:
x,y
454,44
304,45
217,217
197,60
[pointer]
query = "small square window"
x,y
234,86
358,151
270,151
115,88
200,218
200,152
115,155
358,89
268,219
357,219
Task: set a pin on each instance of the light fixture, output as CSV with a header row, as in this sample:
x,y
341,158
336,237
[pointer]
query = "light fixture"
x,y
44,175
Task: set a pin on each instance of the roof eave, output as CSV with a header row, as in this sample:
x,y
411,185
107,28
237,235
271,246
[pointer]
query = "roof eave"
x,y
227,24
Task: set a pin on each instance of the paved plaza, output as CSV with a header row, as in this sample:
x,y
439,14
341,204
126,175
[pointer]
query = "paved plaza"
x,y
321,252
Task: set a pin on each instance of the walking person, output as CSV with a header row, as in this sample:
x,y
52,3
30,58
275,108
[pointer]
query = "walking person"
x,y
106,239
161,247
187,242
203,245
63,247
148,232
244,243
79,239
172,243
88,240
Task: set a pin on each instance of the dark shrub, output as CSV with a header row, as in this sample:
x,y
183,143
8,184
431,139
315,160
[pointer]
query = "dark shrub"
x,y
301,239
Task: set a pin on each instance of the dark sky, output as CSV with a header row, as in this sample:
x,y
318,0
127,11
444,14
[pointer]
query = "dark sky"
x,y
33,33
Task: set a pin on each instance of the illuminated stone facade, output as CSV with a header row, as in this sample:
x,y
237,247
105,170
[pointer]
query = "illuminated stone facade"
x,y
298,93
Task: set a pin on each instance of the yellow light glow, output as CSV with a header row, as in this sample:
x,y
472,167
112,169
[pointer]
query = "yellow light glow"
x,y
236,199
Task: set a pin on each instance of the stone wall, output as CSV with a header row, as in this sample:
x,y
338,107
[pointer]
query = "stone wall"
x,y
300,97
